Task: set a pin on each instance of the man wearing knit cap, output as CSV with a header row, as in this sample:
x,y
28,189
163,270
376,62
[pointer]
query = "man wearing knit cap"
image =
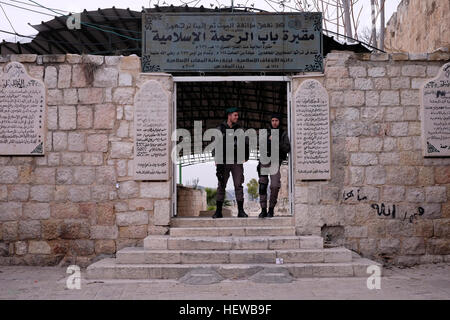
x,y
232,166
275,179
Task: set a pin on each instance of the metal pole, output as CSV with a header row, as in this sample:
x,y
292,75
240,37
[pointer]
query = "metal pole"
x,y
347,22
374,26
179,173
381,46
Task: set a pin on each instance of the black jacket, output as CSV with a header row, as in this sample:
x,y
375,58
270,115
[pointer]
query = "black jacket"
x,y
223,127
284,147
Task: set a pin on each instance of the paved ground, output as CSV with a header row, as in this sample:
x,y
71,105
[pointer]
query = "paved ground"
x,y
420,282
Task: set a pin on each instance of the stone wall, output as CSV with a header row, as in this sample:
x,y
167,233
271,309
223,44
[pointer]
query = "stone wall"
x,y
419,26
190,201
377,163
80,200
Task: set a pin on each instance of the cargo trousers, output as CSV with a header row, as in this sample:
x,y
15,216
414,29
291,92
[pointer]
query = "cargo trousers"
x,y
237,171
275,185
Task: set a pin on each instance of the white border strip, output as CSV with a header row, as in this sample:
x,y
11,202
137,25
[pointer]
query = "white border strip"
x,y
231,78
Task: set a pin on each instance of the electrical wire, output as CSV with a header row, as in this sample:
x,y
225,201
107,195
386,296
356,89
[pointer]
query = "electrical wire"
x,y
92,26
12,5
109,27
58,41
8,18
32,5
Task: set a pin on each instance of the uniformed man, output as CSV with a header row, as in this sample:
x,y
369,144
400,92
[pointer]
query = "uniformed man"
x,y
275,179
236,169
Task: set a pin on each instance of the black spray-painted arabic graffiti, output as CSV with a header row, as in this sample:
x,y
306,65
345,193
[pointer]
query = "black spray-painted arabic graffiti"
x,y
348,195
391,211
381,210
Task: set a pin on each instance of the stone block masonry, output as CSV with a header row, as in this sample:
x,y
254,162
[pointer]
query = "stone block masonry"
x,y
80,200
392,204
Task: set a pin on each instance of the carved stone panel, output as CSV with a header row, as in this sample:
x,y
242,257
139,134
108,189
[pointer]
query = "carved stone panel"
x,y
312,131
151,132
23,110
435,111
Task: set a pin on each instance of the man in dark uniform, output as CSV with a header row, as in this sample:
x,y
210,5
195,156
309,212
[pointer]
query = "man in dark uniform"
x,y
232,165
275,179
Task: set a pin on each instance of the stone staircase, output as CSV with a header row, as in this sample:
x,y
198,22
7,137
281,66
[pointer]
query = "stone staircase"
x,y
233,248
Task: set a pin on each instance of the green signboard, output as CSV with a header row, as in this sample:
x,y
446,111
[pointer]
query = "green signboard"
x,y
232,42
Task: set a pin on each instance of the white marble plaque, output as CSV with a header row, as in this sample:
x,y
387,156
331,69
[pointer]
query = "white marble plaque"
x,y
151,132
312,131
435,111
23,110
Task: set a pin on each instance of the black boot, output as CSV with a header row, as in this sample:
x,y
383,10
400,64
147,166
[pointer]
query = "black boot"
x,y
263,213
241,212
270,213
218,213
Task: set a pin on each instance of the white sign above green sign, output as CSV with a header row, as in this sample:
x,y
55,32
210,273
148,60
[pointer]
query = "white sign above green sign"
x,y
245,42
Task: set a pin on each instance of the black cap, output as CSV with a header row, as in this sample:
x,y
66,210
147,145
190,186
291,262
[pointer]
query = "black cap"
x,y
231,110
277,116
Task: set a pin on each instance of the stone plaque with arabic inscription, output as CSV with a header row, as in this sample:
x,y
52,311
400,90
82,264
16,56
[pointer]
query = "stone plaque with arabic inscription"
x,y
151,132
312,131
232,42
23,110
435,111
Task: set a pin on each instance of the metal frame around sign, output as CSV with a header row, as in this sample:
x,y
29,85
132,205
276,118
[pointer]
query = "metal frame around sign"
x,y
181,52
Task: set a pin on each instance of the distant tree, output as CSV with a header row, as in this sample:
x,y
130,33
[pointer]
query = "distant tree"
x,y
252,189
211,194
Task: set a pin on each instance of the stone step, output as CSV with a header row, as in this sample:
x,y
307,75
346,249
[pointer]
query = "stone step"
x,y
166,242
286,221
136,255
232,231
110,269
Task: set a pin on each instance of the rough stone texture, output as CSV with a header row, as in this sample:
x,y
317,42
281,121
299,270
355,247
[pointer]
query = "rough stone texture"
x,y
39,247
29,229
64,76
155,189
76,141
105,246
404,30
97,142
84,117
123,95
128,189
121,150
67,118
162,212
8,174
104,232
132,218
36,211
104,116
90,95
51,77
106,77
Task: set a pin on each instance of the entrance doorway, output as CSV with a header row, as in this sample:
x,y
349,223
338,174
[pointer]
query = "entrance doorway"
x,y
205,99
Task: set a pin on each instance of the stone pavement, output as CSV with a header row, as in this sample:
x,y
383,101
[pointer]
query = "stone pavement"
x,y
421,282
